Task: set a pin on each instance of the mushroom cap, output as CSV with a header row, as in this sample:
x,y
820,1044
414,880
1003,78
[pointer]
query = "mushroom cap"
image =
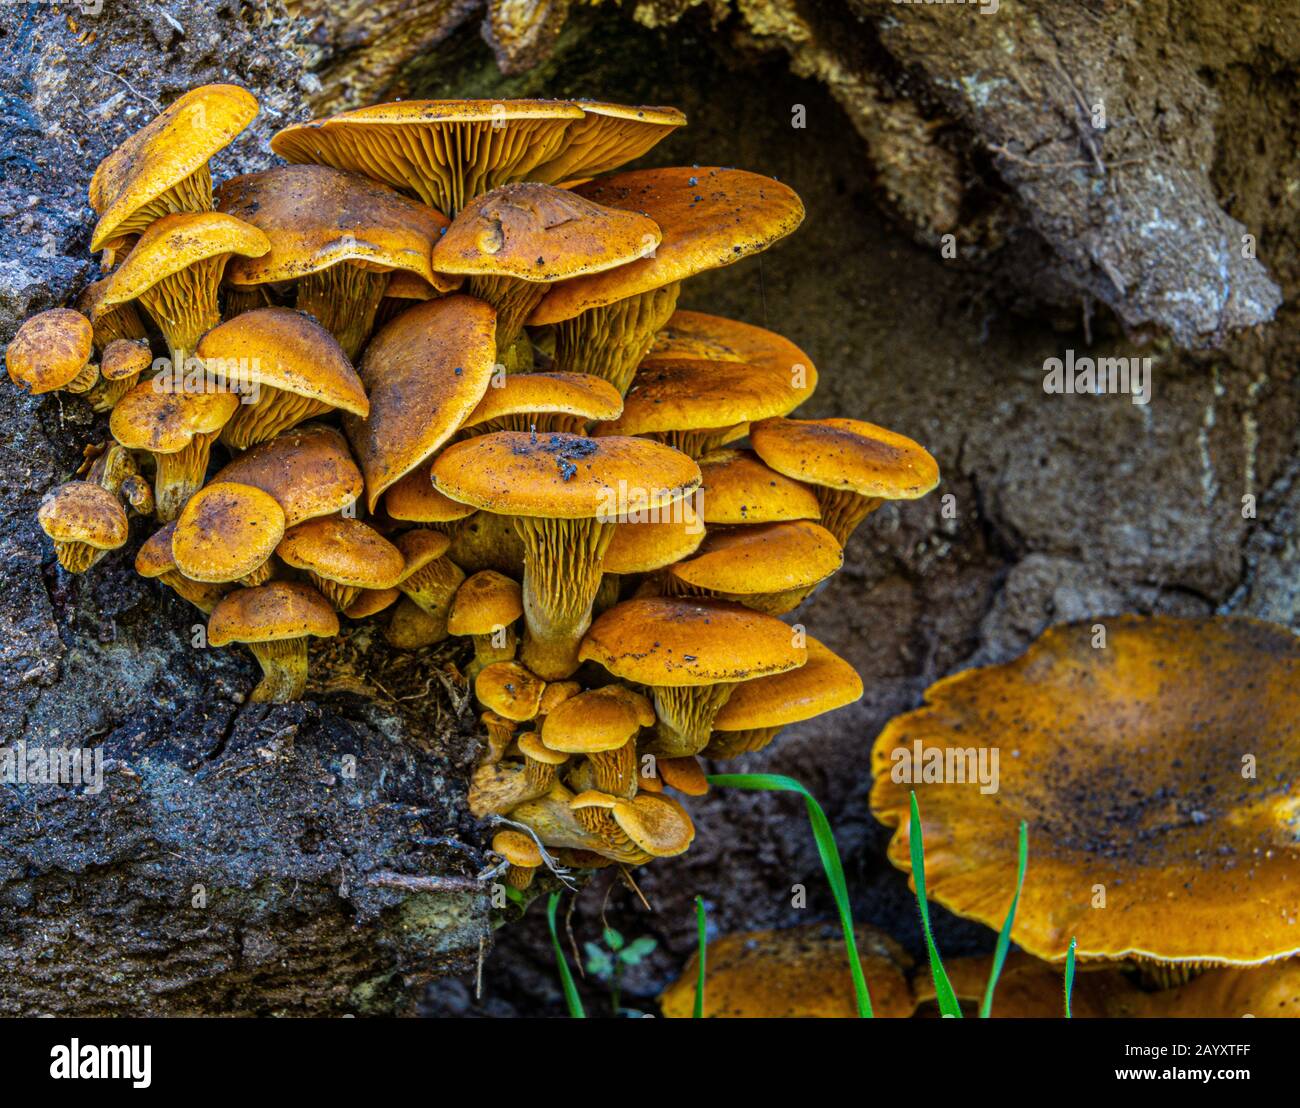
x,y
509,689
824,683
272,612
405,285
673,641
846,454
686,395
531,746
125,358
1127,764
413,499
371,601
793,973
154,416
535,232
762,558
81,511
713,338
517,848
739,488
424,373
49,350
164,152
308,470
403,142
174,243
557,692
226,531
344,550
420,547
658,824
288,350
599,719
561,476
485,601
645,547
593,798
576,394
154,558
608,136
726,215
315,217
683,774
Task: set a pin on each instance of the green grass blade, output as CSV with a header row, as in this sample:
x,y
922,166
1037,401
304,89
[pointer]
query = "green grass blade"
x,y
1069,977
830,856
701,923
1004,937
571,997
947,999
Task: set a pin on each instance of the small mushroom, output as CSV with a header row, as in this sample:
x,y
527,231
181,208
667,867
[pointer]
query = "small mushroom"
x,y
178,428
757,710
486,607
521,853
602,725
85,521
429,578
274,621
558,489
690,654
120,367
228,532
371,602
288,369
710,217
53,351
697,335
738,489
510,690
337,237
342,557
852,466
155,559
515,242
410,627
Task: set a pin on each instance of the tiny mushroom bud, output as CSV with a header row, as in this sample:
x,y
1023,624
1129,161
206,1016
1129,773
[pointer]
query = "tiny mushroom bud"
x,y
521,852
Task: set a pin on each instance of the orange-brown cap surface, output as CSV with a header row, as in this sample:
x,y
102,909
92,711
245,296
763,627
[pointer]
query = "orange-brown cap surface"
x,y
124,358
1131,765
597,720
413,499
824,683
80,511
344,550
272,612
674,641
154,416
762,558
485,601
708,217
645,547
713,338
523,394
226,531
739,488
308,470
49,350
424,373
510,690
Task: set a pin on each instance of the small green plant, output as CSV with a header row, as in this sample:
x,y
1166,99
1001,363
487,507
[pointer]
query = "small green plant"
x,y
1004,936
948,1004
830,856
702,929
571,997
1069,978
607,963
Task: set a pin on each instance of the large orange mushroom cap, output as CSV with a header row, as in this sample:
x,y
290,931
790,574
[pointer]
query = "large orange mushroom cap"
x,y
424,373
793,973
163,167
699,335
738,488
444,152
1158,768
709,217
825,682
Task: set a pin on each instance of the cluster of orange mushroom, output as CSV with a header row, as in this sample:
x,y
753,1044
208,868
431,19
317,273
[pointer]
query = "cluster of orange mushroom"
x,y
435,365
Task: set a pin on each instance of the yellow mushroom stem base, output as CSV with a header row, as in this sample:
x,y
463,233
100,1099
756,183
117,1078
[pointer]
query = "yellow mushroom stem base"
x,y
843,510
500,732
203,597
77,557
190,194
562,560
610,341
686,714
337,593
514,301
615,770
520,877
275,411
180,475
284,666
732,744
344,299
431,588
184,305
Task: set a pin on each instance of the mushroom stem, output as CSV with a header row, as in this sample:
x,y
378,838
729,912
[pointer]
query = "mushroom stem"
x,y
486,650
184,305
240,299
514,301
432,588
284,666
105,395
344,299
686,714
203,597
615,770
732,744
520,877
180,474
277,410
843,510
610,341
77,557
562,560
